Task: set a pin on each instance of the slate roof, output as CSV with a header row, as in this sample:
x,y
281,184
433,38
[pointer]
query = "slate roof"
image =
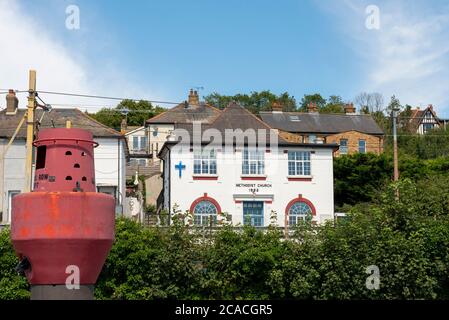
x,y
8,123
182,114
236,117
299,122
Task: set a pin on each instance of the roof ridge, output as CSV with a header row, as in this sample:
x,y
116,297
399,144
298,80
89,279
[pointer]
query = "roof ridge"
x,y
160,114
317,113
266,125
211,106
99,123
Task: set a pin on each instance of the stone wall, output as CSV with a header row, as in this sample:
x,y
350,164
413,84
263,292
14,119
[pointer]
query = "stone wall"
x,y
374,144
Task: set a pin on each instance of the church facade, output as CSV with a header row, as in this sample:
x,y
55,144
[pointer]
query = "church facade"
x,y
280,182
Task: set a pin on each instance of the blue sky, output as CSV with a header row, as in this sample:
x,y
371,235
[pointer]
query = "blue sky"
x,y
160,49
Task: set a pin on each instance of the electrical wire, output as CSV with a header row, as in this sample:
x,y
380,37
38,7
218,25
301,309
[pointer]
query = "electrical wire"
x,y
16,91
103,97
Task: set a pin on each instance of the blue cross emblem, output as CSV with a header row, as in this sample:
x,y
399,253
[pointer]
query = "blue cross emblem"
x,y
180,167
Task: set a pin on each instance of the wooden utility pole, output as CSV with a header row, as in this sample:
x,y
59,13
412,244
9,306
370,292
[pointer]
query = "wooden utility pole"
x,y
30,130
395,147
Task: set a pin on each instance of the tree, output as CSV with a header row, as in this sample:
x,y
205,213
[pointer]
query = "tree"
x,y
254,102
359,177
12,285
137,113
370,103
334,104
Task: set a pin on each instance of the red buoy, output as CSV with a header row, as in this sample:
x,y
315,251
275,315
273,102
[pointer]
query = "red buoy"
x,y
63,222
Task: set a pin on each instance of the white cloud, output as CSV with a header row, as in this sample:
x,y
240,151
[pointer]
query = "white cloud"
x,y
408,56
28,44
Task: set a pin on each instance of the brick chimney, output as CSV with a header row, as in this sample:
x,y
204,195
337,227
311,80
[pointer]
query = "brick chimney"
x,y
276,107
349,108
123,125
430,107
12,103
312,107
194,100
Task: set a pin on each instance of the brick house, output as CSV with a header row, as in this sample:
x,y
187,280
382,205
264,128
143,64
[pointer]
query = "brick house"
x,y
353,132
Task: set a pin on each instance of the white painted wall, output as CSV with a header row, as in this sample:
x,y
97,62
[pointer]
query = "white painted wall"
x,y
12,174
157,136
183,191
110,164
141,132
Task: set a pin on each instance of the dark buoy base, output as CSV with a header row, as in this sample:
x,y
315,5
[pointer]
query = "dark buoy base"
x,y
60,292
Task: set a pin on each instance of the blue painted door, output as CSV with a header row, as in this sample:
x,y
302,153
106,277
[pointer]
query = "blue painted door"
x,y
253,213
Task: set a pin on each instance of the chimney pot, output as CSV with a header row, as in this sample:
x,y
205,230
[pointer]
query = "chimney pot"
x,y
276,106
349,108
312,107
193,98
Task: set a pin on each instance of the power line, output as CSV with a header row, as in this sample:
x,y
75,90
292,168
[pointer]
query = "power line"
x,y
103,97
16,91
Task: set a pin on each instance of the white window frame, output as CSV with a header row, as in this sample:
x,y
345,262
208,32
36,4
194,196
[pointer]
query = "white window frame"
x,y
428,124
253,162
299,163
204,218
11,194
343,149
364,145
142,142
205,162
294,218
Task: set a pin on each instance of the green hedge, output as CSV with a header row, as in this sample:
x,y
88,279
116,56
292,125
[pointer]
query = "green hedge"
x,y
408,240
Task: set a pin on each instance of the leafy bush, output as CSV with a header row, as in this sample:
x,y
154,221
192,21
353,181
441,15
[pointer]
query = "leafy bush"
x,y
406,238
12,286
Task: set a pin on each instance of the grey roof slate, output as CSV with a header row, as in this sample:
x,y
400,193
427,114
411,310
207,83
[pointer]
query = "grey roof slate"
x,y
180,114
321,123
235,117
8,123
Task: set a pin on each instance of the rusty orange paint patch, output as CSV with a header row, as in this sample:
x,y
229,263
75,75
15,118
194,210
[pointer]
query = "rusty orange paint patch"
x,y
24,232
49,230
54,205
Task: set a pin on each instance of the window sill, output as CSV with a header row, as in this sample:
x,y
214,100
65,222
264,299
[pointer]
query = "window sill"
x,y
205,177
253,177
299,178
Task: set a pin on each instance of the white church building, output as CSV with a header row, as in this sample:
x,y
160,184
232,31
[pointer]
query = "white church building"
x,y
251,183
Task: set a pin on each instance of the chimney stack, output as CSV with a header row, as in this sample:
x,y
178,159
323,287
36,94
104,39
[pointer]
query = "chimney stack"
x,y
349,108
194,100
276,107
431,107
312,107
123,125
12,103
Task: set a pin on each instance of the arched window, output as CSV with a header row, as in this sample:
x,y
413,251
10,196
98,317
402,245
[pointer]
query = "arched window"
x,y
205,210
299,209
